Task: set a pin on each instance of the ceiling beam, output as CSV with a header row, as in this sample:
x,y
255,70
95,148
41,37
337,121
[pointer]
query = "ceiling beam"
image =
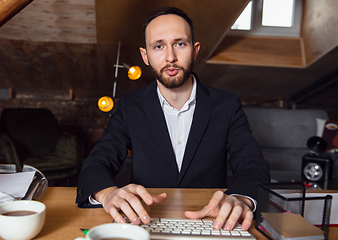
x,y
314,88
9,8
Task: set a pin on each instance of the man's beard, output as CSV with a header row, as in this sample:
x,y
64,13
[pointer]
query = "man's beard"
x,y
172,82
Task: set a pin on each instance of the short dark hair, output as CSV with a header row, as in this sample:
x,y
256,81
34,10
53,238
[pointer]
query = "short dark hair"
x,y
165,11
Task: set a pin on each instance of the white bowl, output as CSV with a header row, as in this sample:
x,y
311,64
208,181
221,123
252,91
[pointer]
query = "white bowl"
x,y
21,227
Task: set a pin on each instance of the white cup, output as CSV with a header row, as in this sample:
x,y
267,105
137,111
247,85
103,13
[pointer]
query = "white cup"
x,y
117,230
21,227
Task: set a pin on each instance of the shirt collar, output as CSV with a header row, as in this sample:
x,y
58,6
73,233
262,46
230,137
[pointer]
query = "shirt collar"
x,y
192,98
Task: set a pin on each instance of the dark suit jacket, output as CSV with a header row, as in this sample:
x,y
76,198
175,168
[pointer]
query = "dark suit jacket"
x,y
219,130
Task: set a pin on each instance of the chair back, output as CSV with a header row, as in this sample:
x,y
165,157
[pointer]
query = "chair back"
x,y
33,131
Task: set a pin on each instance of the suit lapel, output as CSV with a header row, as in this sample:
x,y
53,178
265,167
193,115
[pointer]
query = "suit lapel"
x,y
156,119
204,106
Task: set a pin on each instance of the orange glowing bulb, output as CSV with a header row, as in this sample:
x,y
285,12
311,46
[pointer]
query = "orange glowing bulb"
x,y
105,104
134,73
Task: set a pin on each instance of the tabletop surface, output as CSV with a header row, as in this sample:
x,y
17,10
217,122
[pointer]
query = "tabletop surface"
x,y
64,219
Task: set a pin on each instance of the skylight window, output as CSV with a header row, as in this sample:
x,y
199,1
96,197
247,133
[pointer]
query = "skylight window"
x,y
277,13
243,22
269,18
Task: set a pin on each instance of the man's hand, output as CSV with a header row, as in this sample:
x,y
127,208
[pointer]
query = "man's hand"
x,y
226,209
127,199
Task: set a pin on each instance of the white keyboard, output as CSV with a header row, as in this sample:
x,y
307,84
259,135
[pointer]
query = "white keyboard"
x,y
169,228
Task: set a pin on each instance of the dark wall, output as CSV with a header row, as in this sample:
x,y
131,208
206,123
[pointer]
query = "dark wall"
x,y
81,117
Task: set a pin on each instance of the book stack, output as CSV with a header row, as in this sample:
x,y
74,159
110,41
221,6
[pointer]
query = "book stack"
x,y
289,226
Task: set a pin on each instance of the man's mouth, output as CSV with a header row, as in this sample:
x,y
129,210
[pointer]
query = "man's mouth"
x,y
171,71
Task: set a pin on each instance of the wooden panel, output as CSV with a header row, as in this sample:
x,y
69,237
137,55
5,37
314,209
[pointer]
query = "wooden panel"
x,y
319,28
54,20
259,51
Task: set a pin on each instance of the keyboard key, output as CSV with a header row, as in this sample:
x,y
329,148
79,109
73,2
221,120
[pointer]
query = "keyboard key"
x,y
245,233
215,232
235,233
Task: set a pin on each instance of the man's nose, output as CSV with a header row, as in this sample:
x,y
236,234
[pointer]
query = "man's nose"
x,y
171,55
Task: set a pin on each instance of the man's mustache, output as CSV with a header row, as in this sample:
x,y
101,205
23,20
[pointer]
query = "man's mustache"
x,y
172,65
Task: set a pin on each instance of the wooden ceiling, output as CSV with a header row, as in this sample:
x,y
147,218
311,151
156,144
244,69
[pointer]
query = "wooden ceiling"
x,y
72,45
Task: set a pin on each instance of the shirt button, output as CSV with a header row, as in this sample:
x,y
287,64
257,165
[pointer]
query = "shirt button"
x,y
179,142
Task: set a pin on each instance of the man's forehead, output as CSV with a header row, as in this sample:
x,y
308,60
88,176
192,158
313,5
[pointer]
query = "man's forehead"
x,y
167,24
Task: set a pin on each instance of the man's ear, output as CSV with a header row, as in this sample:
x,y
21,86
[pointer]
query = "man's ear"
x,y
143,52
197,47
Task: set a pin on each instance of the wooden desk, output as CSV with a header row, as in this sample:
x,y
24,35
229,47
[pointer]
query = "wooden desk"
x,y
64,219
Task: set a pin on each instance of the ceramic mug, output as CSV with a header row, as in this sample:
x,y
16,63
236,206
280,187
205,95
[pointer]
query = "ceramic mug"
x,y
116,231
20,220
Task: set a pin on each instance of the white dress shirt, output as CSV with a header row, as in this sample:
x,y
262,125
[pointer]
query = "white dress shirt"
x,y
179,122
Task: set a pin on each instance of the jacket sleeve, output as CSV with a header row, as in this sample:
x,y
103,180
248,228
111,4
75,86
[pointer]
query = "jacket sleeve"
x,y
245,158
106,158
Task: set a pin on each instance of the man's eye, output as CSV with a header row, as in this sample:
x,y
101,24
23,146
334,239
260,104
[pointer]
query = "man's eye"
x,y
158,47
180,44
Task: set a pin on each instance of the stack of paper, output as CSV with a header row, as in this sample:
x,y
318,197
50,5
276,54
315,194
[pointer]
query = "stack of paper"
x,y
15,184
289,226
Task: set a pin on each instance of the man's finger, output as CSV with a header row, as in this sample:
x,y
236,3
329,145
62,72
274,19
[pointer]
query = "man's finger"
x,y
134,209
116,215
159,198
247,220
216,200
142,192
223,213
233,218
198,214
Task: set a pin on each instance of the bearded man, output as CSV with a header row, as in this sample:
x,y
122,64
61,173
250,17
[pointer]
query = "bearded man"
x,y
181,134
